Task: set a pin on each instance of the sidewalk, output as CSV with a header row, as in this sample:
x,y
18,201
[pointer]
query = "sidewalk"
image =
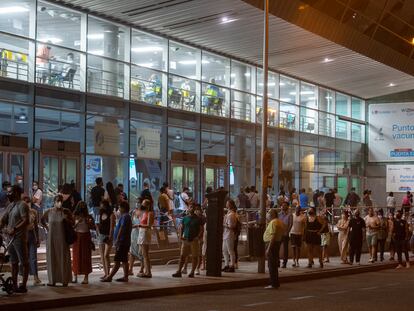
x,y
162,284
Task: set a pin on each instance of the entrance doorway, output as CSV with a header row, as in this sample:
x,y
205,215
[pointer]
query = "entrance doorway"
x,y
13,161
214,177
184,175
59,164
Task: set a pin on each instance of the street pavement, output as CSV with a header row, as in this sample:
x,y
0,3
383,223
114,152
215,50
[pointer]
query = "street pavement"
x,y
375,291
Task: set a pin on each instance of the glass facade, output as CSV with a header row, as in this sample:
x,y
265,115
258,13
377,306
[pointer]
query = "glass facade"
x,y
108,100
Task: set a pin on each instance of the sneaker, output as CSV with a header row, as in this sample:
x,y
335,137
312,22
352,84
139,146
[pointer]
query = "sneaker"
x,y
197,272
271,287
399,266
184,271
177,275
371,260
37,283
407,265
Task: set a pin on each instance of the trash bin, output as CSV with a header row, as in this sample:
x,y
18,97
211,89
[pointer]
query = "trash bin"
x,y
256,244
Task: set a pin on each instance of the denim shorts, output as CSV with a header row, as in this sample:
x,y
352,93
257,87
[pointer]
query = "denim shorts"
x,y
18,251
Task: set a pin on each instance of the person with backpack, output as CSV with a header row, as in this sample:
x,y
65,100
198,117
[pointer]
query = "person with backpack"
x,y
229,236
352,199
191,232
242,200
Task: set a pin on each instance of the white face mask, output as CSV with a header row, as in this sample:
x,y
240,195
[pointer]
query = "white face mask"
x,y
58,204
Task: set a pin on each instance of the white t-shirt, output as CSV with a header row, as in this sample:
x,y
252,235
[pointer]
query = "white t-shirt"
x,y
183,198
298,224
38,195
230,220
391,202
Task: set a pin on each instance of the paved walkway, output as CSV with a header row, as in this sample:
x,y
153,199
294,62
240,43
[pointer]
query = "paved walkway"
x,y
163,284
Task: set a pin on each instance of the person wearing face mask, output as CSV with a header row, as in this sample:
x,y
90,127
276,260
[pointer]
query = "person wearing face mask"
x,y
400,235
343,228
57,251
37,196
356,233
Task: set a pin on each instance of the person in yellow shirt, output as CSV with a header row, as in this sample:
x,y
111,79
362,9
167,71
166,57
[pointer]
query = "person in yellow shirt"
x,y
272,237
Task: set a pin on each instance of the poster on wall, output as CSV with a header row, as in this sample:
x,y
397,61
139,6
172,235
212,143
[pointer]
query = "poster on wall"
x,y
93,169
391,132
148,143
400,178
106,138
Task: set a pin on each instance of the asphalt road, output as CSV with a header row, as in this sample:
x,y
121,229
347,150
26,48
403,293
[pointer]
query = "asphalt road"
x,y
385,290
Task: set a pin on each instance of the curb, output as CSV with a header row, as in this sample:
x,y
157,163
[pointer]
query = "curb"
x,y
187,289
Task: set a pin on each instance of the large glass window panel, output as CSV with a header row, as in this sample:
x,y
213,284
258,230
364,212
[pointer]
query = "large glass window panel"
x,y
58,66
106,136
215,69
47,97
343,105
272,111
288,166
149,51
326,100
14,120
16,17
358,109
309,182
288,89
326,124
147,85
342,129
215,100
308,95
308,120
108,39
104,107
105,76
185,61
181,140
59,26
182,93
308,158
326,160
145,158
272,84
242,106
242,77
57,125
289,116
358,133
14,57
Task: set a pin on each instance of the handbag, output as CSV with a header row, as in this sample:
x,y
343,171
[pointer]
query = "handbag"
x,y
70,234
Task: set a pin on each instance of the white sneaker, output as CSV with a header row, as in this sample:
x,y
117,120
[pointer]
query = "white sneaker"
x,y
197,272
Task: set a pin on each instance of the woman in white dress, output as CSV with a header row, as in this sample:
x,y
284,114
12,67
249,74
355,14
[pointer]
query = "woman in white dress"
x,y
57,251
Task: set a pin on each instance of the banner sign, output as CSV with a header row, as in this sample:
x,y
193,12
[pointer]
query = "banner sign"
x,y
391,132
106,138
148,143
400,178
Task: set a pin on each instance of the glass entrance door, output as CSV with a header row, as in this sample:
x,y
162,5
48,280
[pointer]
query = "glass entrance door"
x,y
13,167
184,176
343,186
214,177
57,170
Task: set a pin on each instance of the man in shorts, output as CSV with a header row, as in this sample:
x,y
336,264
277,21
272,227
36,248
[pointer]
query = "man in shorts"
x,y
191,233
16,220
372,223
122,241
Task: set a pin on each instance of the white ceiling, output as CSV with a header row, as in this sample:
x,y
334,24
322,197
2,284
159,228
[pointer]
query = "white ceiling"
x,y
293,50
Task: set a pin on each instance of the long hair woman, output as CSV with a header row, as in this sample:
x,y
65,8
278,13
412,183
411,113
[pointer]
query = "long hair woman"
x,y
82,248
144,237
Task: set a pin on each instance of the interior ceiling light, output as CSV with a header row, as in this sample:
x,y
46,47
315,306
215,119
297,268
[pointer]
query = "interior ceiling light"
x,y
22,117
96,36
192,62
303,7
145,49
327,60
178,137
226,20
412,41
13,9
391,84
